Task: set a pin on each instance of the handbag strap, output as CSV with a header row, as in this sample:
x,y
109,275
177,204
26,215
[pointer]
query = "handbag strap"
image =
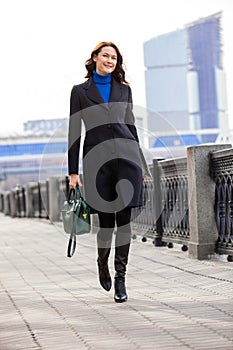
x,y
75,193
78,190
72,240
71,245
71,194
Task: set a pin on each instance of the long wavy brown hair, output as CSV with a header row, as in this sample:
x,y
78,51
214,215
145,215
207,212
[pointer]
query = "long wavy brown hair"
x,y
118,73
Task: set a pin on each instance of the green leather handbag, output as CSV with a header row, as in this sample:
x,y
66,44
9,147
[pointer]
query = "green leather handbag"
x,y
75,217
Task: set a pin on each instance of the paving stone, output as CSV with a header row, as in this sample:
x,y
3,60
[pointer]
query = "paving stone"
x,y
50,302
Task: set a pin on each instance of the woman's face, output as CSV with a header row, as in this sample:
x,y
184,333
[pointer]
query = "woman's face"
x,y
106,60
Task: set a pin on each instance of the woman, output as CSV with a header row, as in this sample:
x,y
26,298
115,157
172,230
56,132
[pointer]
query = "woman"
x,y
112,172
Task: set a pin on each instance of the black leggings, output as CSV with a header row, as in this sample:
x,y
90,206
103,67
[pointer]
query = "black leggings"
x,y
107,222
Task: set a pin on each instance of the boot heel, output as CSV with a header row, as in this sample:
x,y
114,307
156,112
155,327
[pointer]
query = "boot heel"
x,y
120,295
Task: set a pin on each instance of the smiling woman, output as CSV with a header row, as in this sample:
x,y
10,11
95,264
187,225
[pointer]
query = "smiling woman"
x,y
105,60
111,157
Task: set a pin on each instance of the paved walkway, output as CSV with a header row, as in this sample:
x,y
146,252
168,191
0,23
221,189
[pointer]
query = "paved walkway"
x,y
51,302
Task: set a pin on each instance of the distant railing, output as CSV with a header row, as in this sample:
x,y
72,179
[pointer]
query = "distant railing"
x,y
63,190
2,202
14,202
20,199
37,199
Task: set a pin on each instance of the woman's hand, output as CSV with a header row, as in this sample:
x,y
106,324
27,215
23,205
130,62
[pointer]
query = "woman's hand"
x,y
74,181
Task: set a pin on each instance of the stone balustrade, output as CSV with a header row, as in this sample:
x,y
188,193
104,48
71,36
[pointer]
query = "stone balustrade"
x,y
188,201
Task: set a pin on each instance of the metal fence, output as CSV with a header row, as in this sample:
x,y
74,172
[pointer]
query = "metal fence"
x,y
174,194
2,203
63,185
143,219
221,170
38,200
165,214
19,199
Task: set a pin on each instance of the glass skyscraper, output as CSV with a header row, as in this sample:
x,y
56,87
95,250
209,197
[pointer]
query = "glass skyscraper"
x,y
185,81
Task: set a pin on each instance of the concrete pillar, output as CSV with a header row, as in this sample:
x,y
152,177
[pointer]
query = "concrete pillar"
x,y
13,204
201,188
1,202
7,203
28,198
54,206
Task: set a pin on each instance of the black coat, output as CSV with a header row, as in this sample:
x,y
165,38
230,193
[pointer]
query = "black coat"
x,y
112,171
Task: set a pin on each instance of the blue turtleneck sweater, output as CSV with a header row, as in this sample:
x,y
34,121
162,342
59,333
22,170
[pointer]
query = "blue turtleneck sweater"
x,y
103,83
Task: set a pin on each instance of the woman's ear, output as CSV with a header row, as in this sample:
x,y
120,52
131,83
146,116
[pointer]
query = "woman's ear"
x,y
94,58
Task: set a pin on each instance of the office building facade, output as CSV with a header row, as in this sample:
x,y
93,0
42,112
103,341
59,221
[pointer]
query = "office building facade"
x,y
185,81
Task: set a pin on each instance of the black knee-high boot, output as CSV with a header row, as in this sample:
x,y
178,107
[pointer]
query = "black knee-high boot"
x,y
104,240
122,245
104,275
121,260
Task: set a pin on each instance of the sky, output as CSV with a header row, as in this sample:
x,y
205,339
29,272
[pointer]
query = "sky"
x,y
45,43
